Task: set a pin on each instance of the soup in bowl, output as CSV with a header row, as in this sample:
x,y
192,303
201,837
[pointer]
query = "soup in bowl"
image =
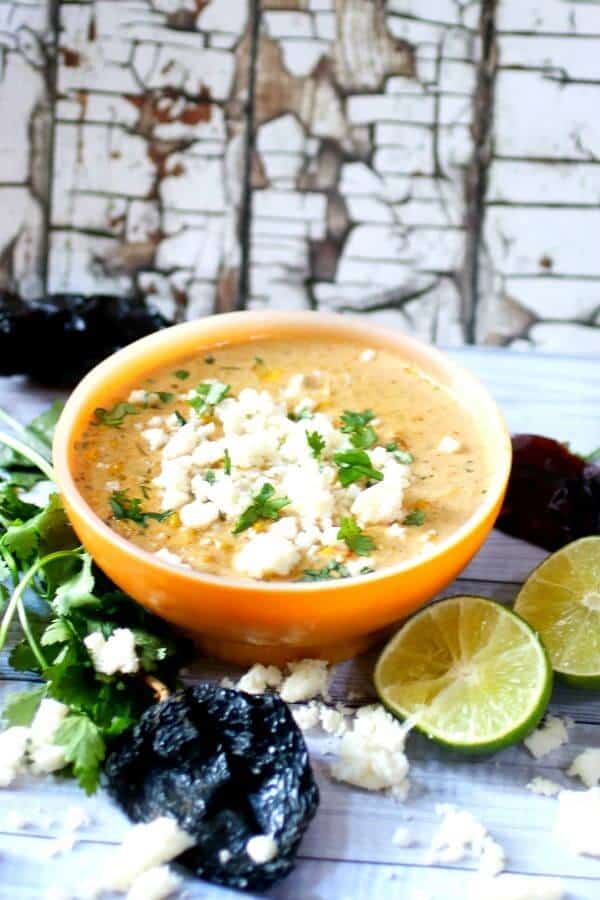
x,y
282,485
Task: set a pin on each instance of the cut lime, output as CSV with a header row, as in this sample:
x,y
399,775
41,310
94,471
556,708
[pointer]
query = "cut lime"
x,y
561,599
468,672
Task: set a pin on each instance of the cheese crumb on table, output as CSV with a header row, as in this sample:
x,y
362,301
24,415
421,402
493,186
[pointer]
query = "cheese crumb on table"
x,y
586,766
115,654
461,835
544,787
157,883
306,716
44,755
259,678
262,848
577,821
368,355
548,737
13,746
371,754
145,846
308,679
516,887
402,837
332,721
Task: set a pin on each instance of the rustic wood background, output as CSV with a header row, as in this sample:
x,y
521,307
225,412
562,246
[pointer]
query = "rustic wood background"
x,y
434,163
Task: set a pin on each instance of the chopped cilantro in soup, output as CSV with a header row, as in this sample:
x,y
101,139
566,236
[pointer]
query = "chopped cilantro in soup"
x,y
284,459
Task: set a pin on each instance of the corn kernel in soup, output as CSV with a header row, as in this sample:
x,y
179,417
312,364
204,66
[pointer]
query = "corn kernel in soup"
x,y
284,459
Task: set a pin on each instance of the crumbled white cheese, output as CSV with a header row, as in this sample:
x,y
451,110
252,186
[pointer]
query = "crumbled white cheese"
x,y
259,678
155,438
396,531
461,835
145,846
586,766
137,396
332,721
44,755
182,442
262,848
266,554
577,822
115,654
169,557
308,679
371,754
368,355
157,883
448,444
306,716
516,887
382,503
548,737
49,715
402,837
198,514
13,747
294,388
544,787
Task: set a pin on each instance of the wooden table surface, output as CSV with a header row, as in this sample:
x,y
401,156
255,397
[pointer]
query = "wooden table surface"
x,y
348,852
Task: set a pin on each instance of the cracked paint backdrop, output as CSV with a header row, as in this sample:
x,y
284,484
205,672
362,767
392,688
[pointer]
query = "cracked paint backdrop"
x,y
430,163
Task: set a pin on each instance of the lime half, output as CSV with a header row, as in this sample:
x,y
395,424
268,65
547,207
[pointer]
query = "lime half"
x,y
468,672
561,599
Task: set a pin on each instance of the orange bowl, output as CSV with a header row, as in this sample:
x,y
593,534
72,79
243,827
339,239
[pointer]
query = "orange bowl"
x,y
245,621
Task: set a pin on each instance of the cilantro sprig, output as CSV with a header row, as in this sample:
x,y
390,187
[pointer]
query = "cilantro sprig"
x,y
332,570
416,517
208,395
124,507
265,505
354,537
116,415
356,424
40,554
316,443
403,456
354,465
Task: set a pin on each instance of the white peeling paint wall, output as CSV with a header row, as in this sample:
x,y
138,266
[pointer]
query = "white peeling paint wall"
x,y
367,137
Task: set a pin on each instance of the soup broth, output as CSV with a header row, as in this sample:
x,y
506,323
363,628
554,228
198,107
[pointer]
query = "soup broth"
x,y
290,459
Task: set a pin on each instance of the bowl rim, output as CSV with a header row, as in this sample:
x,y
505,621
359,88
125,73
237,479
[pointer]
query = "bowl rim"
x,y
347,326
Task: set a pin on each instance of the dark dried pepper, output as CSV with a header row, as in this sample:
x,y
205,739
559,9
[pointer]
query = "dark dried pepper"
x,y
553,496
227,766
57,339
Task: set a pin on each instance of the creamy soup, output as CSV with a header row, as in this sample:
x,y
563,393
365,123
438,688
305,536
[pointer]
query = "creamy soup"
x,y
284,460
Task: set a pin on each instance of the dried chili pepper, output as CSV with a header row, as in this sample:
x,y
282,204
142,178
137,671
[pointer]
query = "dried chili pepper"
x,y
553,495
228,766
57,339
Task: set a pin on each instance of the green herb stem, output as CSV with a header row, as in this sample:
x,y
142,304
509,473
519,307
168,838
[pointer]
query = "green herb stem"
x,y
32,455
16,600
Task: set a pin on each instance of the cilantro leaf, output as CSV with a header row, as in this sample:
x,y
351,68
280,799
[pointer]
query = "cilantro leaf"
x,y
164,396
57,632
43,425
356,424
208,395
21,708
594,456
83,747
77,590
180,418
416,517
12,507
264,506
45,532
316,443
209,476
403,456
181,374
37,435
124,507
115,415
354,537
332,570
226,462
353,465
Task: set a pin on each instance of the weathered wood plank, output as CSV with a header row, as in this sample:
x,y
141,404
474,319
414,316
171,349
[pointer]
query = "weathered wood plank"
x,y
149,150
362,116
540,285
25,38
